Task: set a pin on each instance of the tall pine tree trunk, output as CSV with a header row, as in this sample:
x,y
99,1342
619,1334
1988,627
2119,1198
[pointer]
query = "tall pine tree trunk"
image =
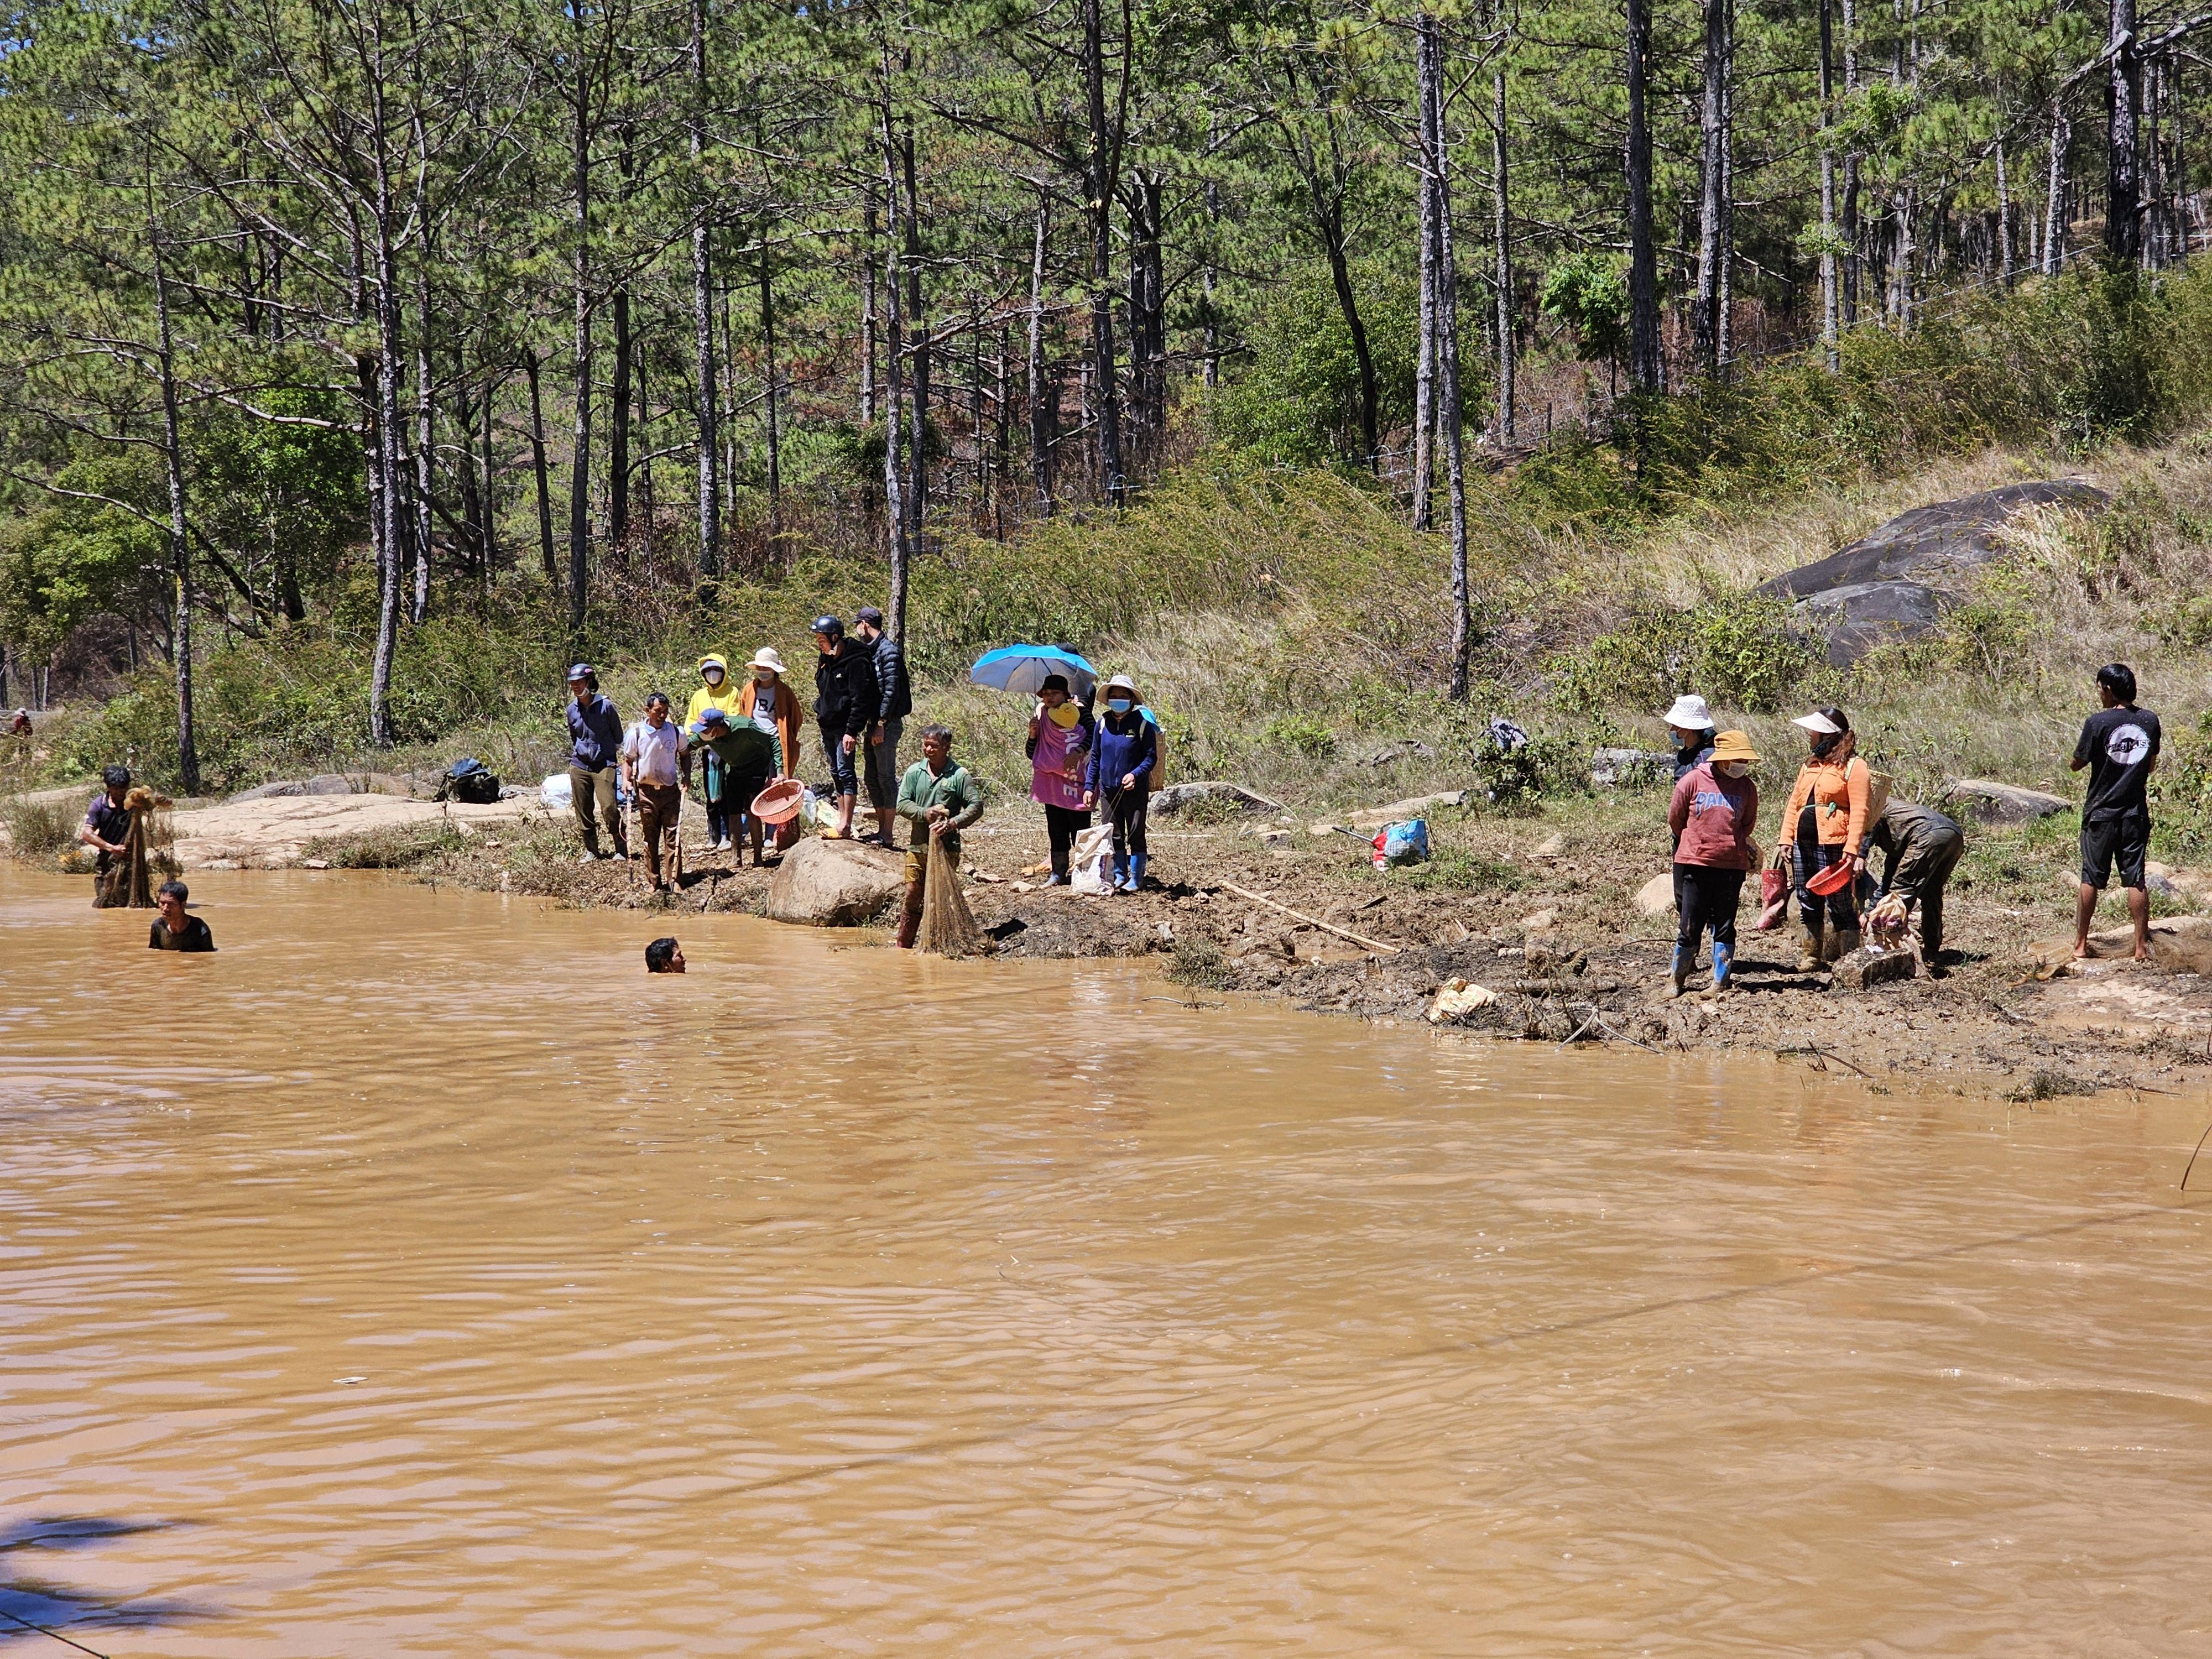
x,y
1040,413
1450,408
1831,284
1712,172
180,546
424,432
1644,364
529,367
1103,165
895,519
1428,77
580,460
2122,148
1507,419
702,322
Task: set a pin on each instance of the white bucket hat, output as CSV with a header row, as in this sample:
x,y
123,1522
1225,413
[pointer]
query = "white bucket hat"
x,y
1816,721
766,656
1689,713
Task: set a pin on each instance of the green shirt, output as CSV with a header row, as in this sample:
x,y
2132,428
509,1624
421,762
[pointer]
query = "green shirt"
x,y
921,789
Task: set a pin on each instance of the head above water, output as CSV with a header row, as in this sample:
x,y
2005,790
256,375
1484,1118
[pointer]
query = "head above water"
x,y
172,896
663,955
116,780
2116,684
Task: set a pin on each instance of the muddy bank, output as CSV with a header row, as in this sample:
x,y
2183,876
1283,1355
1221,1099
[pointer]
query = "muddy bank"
x,y
1540,910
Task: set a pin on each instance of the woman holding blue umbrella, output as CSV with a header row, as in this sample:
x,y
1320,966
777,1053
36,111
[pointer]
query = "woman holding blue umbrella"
x,y
1060,733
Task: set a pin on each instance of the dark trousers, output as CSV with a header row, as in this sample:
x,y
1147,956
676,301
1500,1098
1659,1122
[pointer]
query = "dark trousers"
x,y
1063,824
844,778
592,797
1129,809
1708,898
1919,878
659,807
1811,858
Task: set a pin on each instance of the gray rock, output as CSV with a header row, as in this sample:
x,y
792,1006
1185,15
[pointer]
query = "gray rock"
x,y
1865,615
329,783
1181,797
1614,769
2001,803
834,883
1936,543
268,791
1864,969
1399,811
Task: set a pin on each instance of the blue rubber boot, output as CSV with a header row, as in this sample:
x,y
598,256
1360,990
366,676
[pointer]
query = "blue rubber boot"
x,y
1119,884
1723,965
1137,870
1678,978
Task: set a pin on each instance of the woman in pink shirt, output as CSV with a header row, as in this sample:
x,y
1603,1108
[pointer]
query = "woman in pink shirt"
x,y
1716,805
1060,734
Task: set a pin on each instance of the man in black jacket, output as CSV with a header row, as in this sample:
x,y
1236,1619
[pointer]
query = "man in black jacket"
x,y
895,702
845,699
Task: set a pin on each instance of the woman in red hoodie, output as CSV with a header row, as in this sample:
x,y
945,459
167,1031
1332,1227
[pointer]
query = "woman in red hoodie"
x,y
1715,806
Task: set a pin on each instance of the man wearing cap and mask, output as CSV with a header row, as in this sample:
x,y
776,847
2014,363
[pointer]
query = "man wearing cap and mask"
x,y
595,738
879,764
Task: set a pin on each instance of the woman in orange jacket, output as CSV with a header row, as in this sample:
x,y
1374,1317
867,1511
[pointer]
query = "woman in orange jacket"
x,y
768,702
1827,821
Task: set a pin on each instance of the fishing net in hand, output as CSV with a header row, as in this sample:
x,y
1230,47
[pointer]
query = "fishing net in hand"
x,y
947,928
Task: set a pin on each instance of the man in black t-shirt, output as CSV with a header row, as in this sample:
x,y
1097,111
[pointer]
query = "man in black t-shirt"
x,y
2119,745
177,931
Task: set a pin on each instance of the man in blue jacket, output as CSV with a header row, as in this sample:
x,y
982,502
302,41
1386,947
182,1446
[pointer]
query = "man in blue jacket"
x,y
594,749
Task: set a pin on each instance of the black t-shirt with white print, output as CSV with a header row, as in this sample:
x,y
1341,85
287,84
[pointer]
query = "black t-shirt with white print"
x,y
2119,744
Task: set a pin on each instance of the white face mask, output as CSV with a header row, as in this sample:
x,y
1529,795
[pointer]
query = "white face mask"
x,y
1736,768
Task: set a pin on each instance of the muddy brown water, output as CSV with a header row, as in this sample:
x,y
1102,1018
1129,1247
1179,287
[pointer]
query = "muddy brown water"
x,y
415,1277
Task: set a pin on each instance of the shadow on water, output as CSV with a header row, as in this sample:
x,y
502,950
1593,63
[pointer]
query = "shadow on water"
x,y
35,1611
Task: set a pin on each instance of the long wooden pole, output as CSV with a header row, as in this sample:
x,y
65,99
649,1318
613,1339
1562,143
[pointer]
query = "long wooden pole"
x,y
1311,921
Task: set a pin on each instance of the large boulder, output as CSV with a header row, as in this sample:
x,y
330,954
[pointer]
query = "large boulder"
x,y
1228,800
1398,811
1862,970
329,783
269,791
1620,769
834,883
2002,802
1895,583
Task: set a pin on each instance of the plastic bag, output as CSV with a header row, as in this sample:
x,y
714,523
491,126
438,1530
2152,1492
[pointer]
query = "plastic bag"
x,y
555,793
1401,843
1088,870
948,928
1774,895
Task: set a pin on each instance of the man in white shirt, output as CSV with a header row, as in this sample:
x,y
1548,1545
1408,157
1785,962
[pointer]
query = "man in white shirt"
x,y
650,752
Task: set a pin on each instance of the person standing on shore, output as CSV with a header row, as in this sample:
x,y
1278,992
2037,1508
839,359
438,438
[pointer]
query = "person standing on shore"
x,y
769,703
594,741
895,702
2119,744
845,699
176,931
651,760
1922,847
1714,811
1060,734
1119,775
715,691
1690,724
938,799
1827,820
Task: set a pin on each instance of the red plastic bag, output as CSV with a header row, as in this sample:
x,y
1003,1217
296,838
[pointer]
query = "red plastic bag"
x,y
1774,891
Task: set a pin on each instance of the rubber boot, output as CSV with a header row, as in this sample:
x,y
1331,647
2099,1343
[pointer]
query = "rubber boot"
x,y
1678,976
1815,946
1723,966
909,919
1137,861
1121,876
1844,942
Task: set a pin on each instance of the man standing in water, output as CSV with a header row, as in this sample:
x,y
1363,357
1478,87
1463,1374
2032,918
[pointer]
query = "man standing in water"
x,y
939,799
107,820
177,931
594,740
2119,744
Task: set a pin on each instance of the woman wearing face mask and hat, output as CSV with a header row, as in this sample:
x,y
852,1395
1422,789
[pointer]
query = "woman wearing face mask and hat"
x,y
1121,771
1827,820
716,691
772,707
1715,807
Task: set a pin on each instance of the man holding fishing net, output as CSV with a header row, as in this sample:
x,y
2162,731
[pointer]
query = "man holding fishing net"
x,y
939,799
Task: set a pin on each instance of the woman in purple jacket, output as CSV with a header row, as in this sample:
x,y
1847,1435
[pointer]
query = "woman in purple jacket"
x,y
1716,804
1121,762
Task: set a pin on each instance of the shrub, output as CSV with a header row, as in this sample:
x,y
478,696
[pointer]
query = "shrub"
x,y
1739,653
395,847
1301,735
39,829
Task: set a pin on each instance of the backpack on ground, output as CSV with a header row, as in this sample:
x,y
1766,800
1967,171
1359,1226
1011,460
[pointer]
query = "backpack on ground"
x,y
471,782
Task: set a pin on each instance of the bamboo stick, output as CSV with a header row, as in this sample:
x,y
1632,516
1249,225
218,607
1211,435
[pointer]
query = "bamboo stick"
x,y
1311,921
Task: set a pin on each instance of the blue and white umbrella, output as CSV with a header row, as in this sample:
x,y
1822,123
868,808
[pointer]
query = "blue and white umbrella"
x,y
1023,668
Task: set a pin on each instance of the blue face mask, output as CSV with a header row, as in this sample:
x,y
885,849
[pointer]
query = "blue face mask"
x,y
1120,705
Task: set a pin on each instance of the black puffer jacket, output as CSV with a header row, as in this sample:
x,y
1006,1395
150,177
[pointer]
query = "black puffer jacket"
x,y
891,680
846,694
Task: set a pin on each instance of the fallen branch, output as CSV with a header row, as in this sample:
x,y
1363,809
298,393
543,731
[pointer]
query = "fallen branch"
x,y
1622,1036
1826,1053
2201,1140
1310,922
1575,1035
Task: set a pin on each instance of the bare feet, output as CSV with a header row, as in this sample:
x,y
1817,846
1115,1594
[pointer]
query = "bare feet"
x,y
2084,951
